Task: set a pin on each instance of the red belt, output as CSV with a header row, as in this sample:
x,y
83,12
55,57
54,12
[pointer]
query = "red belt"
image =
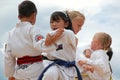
x,y
29,59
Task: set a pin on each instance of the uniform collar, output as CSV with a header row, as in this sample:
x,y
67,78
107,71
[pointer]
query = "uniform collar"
x,y
23,24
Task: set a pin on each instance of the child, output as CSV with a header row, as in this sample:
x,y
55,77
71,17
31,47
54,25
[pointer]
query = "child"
x,y
23,51
63,57
87,53
77,20
98,65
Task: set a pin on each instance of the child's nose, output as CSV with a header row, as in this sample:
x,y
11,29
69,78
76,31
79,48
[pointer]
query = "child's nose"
x,y
54,23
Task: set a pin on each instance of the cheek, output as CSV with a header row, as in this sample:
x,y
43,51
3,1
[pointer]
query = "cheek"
x,y
92,46
74,27
51,26
73,24
33,20
60,25
63,25
77,29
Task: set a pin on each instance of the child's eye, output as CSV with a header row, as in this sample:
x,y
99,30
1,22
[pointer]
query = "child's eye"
x,y
79,25
57,20
51,21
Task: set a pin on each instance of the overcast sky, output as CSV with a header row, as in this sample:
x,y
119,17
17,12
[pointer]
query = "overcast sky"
x,y
101,15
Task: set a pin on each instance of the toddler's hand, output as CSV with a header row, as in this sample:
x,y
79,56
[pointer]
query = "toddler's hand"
x,y
81,62
89,68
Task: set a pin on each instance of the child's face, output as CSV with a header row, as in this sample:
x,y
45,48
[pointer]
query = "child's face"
x,y
58,24
33,18
88,53
77,24
95,45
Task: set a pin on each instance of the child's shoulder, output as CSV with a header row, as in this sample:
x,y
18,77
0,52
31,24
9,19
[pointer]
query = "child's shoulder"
x,y
68,31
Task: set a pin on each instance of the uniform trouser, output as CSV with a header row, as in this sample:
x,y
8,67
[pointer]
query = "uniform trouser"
x,y
51,74
55,73
61,63
25,68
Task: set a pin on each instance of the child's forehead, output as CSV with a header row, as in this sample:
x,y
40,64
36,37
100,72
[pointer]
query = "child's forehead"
x,y
99,38
96,37
56,18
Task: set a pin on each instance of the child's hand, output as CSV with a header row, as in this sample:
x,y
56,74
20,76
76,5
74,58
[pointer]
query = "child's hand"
x,y
81,62
57,35
87,53
48,41
89,68
11,78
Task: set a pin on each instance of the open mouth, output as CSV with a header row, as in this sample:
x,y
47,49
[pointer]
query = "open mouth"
x,y
54,28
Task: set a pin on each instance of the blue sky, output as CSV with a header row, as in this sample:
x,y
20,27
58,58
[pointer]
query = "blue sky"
x,y
101,15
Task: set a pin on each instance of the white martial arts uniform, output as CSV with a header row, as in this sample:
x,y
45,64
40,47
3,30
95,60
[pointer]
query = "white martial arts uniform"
x,y
23,41
65,50
99,60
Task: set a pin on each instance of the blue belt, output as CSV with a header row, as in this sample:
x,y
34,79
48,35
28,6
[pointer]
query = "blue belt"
x,y
62,63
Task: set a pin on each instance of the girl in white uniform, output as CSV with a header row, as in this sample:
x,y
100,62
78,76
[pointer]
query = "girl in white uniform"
x,y
65,51
97,67
23,60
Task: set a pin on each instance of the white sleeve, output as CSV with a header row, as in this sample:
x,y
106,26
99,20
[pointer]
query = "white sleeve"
x,y
98,62
72,39
78,54
40,46
38,41
9,62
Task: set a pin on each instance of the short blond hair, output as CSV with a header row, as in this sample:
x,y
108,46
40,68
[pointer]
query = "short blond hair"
x,y
105,39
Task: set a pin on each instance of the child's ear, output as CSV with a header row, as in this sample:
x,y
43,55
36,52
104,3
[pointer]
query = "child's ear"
x,y
66,24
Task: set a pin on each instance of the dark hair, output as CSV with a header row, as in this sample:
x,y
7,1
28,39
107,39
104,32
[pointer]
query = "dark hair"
x,y
70,23
58,14
110,53
26,8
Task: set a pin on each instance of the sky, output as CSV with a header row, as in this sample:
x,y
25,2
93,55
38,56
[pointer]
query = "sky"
x,y
101,16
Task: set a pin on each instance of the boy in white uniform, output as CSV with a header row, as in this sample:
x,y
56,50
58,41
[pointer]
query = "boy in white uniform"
x,y
23,51
97,67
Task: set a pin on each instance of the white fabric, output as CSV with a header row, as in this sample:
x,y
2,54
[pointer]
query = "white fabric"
x,y
68,53
81,56
22,42
100,61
